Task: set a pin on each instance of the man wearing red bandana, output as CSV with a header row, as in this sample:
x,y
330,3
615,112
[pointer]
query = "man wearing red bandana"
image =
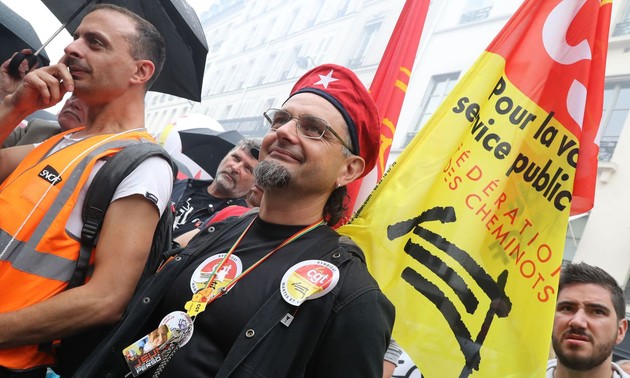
x,y
276,293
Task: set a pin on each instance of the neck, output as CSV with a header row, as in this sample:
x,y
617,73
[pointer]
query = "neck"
x,y
121,114
604,370
212,190
281,208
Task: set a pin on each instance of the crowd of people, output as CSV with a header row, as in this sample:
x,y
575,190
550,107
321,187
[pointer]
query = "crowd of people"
x,y
258,283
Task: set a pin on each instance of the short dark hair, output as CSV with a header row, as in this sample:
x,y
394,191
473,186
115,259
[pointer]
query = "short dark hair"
x,y
147,44
582,273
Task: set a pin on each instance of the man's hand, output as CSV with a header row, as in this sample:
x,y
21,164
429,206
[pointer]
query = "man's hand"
x,y
41,88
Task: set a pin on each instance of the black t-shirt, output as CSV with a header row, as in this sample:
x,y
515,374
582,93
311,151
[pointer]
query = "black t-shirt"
x,y
194,208
216,329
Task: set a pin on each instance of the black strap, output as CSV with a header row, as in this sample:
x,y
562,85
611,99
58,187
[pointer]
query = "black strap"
x,y
100,194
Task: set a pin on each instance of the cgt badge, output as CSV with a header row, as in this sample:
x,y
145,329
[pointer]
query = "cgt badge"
x,y
308,279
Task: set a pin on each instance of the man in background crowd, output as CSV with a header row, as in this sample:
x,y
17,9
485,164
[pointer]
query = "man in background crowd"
x,y
589,322
72,115
195,201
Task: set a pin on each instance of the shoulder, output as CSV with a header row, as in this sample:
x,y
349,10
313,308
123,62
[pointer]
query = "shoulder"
x,y
36,131
155,169
356,282
193,184
619,372
153,179
551,368
36,124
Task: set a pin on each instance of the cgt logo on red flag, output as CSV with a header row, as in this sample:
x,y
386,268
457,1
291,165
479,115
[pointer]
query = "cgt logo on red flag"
x,y
465,232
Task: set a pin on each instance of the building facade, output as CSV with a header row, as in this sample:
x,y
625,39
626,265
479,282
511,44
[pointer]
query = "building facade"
x,y
259,48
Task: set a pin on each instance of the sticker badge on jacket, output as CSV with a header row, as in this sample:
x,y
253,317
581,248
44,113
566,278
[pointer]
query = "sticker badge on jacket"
x,y
308,279
226,274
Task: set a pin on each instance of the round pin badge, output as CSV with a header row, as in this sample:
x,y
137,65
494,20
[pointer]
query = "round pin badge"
x,y
180,325
308,279
230,270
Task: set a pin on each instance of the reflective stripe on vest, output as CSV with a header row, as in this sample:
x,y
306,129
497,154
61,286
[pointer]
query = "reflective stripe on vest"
x,y
31,276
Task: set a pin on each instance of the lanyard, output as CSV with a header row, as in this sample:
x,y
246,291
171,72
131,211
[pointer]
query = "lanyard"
x,y
208,294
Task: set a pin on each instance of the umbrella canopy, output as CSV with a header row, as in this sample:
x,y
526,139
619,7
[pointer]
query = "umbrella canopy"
x,y
17,34
207,147
186,46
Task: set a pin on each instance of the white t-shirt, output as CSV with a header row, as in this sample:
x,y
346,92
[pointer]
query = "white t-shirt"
x,y
617,372
153,178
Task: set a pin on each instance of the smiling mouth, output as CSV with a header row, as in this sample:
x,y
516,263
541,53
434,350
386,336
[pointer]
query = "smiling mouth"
x,y
283,155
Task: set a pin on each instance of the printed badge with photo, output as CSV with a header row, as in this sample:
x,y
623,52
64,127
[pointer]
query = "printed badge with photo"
x,y
150,350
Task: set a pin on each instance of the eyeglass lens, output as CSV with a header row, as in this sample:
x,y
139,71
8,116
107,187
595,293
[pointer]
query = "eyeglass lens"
x,y
309,126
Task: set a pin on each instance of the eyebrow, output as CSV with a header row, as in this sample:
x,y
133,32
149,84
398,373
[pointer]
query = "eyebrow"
x,y
592,305
97,34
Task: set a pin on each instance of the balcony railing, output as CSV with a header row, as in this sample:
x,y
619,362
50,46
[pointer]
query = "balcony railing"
x,y
622,28
475,15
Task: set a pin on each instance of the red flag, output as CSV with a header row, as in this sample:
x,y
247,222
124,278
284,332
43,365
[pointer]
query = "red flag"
x,y
389,87
570,67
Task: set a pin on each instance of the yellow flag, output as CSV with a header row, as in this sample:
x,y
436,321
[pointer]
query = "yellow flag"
x,y
465,232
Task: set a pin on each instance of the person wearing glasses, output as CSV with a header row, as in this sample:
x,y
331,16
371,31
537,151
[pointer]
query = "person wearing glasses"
x,y
277,293
195,201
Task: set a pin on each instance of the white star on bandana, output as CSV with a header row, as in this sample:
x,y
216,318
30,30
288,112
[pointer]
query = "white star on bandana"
x,y
326,79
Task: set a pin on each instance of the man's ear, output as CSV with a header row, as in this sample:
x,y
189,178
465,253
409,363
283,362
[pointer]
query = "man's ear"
x,y
144,71
621,330
351,170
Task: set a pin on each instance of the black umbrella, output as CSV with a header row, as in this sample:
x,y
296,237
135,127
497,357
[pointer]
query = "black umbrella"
x,y
17,34
207,147
186,46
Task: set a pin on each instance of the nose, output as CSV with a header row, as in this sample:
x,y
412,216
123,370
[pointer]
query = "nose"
x,y
578,320
238,167
73,49
288,130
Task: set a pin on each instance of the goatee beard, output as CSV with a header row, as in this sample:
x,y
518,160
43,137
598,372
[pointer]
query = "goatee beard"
x,y
271,175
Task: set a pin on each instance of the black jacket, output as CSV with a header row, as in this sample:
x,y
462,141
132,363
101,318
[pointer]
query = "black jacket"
x,y
342,334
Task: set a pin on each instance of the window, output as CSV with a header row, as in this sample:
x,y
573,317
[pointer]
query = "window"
x,y
614,115
321,51
575,230
226,112
476,10
622,27
368,34
439,87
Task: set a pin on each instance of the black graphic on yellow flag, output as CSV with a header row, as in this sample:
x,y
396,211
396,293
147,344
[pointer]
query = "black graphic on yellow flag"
x,y
500,304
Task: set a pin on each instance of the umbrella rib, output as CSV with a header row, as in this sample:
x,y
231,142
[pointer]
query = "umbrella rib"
x,y
63,26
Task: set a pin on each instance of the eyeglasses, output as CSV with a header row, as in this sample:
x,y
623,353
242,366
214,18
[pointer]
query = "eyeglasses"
x,y
308,126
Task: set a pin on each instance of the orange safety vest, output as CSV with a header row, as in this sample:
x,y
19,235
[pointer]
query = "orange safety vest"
x,y
37,254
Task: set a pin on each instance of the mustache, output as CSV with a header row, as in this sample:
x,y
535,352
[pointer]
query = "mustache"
x,y
573,332
228,172
72,62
